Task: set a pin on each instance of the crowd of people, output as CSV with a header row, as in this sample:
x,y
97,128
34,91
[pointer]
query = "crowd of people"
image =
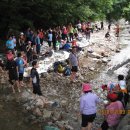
x,y
26,49
114,109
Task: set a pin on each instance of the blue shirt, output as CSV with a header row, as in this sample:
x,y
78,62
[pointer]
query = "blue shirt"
x,y
37,40
88,103
20,64
10,44
50,37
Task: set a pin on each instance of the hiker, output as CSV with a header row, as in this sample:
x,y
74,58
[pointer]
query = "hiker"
x,y
117,30
123,90
38,44
54,39
11,66
21,41
88,103
24,58
29,51
10,44
102,25
87,33
112,112
64,33
109,27
107,36
35,80
50,36
71,32
74,63
20,67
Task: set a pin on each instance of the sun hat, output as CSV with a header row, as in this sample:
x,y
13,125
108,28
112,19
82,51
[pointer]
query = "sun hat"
x,y
112,96
86,87
21,33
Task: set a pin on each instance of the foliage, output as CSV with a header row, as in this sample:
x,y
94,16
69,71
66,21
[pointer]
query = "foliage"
x,y
20,14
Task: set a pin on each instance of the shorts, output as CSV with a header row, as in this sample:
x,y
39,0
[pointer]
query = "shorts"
x,y
49,43
20,76
87,118
12,76
104,126
74,69
37,89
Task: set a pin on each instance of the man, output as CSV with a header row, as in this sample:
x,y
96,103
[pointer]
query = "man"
x,y
10,44
74,63
11,66
20,68
35,80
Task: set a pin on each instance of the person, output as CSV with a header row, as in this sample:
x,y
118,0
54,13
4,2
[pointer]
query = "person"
x,y
117,30
38,44
21,41
20,68
10,44
50,36
109,27
29,51
11,67
24,58
74,63
107,36
54,39
71,32
102,25
123,90
87,33
35,80
113,111
88,107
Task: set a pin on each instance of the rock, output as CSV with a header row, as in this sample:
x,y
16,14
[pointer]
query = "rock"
x,y
124,122
91,68
95,55
37,112
57,116
104,60
40,103
127,127
68,127
50,128
44,75
47,114
63,103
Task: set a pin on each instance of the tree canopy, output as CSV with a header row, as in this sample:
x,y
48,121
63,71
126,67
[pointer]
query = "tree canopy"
x,y
20,14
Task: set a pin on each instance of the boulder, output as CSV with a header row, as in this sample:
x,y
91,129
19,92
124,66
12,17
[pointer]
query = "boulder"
x,y
37,112
47,114
124,122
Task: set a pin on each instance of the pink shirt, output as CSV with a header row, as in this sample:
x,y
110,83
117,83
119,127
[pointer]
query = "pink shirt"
x,y
114,109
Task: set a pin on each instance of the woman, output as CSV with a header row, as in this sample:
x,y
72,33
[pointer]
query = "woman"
x,y
113,111
88,102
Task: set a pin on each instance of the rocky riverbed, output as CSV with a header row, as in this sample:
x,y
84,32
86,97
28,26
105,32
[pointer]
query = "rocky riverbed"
x,y
59,106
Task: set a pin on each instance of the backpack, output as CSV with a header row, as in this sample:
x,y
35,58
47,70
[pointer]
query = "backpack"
x,y
60,68
67,71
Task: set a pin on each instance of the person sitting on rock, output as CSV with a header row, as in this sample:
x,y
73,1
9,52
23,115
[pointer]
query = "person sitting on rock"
x,y
88,103
112,112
